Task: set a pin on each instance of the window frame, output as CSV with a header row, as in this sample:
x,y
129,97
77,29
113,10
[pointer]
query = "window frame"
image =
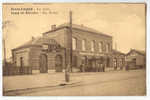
x,y
83,45
93,45
100,46
74,47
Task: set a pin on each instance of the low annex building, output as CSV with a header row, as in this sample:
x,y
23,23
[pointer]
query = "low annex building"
x,y
39,54
137,58
51,51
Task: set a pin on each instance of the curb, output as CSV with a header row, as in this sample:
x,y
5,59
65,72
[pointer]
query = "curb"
x,y
18,92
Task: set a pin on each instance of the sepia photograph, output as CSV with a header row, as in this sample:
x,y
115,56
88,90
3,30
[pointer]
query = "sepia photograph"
x,y
74,49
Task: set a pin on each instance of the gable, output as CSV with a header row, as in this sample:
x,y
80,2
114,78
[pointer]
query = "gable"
x,y
135,53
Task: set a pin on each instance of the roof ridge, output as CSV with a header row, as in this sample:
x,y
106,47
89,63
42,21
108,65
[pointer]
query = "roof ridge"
x,y
82,27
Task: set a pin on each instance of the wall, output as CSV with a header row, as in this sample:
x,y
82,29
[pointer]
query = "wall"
x,y
35,53
140,60
58,35
52,61
17,54
62,36
80,35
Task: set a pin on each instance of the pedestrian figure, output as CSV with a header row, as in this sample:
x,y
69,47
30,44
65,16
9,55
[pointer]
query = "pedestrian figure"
x,y
98,67
121,67
82,67
127,67
103,67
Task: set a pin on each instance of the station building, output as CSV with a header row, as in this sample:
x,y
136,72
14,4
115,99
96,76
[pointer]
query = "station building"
x,y
52,50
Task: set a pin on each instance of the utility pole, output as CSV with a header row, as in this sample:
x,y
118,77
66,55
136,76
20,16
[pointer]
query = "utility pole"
x,y
69,51
4,52
70,13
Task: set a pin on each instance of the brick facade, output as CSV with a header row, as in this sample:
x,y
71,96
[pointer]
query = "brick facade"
x,y
62,36
57,59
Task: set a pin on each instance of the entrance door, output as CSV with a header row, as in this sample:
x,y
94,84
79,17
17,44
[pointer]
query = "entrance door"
x,y
108,62
43,64
21,65
115,63
58,63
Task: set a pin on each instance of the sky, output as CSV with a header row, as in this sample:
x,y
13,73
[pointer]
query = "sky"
x,y
124,22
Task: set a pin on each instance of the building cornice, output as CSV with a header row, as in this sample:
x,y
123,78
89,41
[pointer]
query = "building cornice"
x,y
77,29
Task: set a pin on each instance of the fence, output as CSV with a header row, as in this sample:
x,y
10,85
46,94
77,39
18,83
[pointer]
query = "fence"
x,y
13,70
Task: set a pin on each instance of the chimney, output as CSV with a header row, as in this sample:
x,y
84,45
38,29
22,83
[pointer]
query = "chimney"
x,y
53,27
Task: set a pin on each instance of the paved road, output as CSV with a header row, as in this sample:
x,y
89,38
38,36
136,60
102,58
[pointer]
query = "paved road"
x,y
117,83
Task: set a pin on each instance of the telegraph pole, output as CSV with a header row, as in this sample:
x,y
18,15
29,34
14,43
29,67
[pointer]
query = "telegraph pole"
x,y
4,52
70,13
69,55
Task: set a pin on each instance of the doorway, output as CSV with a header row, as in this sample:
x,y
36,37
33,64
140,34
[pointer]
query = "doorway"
x,y
43,63
58,63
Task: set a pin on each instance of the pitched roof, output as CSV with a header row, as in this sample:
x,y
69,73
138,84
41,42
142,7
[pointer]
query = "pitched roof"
x,y
38,41
142,52
117,52
81,27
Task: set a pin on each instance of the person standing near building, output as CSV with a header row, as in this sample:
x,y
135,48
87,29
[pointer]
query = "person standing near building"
x,y
82,67
98,65
104,67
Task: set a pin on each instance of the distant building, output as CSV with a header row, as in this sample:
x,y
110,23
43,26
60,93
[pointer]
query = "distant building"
x,y
51,51
136,58
118,59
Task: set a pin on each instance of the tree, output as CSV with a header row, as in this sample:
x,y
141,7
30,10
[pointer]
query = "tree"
x,y
5,25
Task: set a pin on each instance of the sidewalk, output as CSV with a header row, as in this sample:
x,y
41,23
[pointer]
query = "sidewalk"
x,y
43,80
35,81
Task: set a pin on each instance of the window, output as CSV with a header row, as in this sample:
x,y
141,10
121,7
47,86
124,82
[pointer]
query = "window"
x,y
100,46
92,45
83,45
21,62
45,47
107,47
115,62
74,43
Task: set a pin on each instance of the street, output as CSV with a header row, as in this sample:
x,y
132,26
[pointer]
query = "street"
x,y
111,83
